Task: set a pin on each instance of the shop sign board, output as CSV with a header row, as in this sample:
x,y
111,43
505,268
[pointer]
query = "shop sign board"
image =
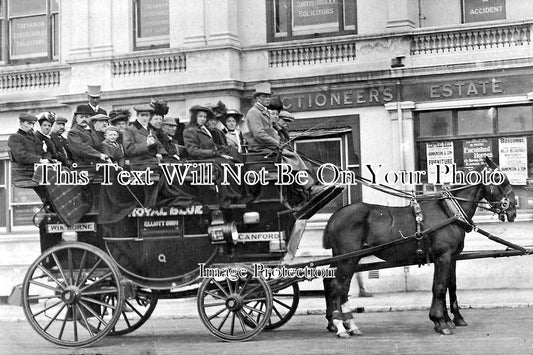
x,y
513,159
154,20
439,153
475,151
29,37
483,10
315,15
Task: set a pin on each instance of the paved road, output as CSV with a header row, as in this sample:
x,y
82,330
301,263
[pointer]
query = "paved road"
x,y
490,331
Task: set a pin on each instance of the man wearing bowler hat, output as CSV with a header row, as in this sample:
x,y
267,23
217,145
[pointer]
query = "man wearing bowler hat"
x,y
261,136
81,143
93,95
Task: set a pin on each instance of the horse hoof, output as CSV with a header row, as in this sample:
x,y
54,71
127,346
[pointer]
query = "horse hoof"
x,y
355,332
446,331
343,335
331,328
450,325
460,322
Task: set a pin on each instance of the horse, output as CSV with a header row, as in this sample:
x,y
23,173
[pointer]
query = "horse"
x,y
362,225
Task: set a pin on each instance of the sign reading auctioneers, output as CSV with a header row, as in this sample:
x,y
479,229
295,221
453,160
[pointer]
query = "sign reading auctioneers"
x,y
483,10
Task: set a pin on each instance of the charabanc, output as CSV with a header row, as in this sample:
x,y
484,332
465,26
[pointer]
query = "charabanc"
x,y
95,279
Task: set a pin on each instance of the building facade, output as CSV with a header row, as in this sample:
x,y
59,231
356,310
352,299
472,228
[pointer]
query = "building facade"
x,y
388,83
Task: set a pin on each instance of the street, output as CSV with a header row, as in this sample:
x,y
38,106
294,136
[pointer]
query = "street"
x,y
490,331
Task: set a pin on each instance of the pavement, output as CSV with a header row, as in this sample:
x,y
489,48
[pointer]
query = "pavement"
x,y
313,303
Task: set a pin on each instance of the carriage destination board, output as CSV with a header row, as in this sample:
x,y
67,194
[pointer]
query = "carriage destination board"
x,y
78,227
260,236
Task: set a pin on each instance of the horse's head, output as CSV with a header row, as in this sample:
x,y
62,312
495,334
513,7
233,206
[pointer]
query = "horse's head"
x,y
501,198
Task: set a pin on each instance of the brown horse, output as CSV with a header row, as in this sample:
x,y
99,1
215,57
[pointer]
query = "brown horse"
x,y
362,225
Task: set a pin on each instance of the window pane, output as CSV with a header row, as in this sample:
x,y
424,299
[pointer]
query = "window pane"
x,y
438,123
350,15
24,195
153,18
27,7
280,17
55,33
475,121
515,119
29,37
23,215
310,17
3,207
55,6
2,4
2,169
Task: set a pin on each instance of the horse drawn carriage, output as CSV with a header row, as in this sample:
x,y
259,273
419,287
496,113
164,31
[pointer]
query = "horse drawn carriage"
x,y
94,279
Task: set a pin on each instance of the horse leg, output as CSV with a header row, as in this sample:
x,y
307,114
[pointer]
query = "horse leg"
x,y
458,319
438,311
345,325
328,289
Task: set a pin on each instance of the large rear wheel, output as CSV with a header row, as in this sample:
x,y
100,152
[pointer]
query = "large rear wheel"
x,y
66,292
227,309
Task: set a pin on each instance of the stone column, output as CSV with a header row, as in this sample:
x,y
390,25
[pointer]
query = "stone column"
x,y
195,31
78,14
222,22
402,14
100,27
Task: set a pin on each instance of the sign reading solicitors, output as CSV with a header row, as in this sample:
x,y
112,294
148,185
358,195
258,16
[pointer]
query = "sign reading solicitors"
x,y
483,10
315,16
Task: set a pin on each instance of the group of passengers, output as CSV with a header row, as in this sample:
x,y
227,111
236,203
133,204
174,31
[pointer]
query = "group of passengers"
x,y
214,133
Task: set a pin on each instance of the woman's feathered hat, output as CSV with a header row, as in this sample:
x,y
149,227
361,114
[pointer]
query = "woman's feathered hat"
x,y
119,115
160,107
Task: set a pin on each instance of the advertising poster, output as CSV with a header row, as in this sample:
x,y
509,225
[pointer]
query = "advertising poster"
x,y
475,151
513,159
439,153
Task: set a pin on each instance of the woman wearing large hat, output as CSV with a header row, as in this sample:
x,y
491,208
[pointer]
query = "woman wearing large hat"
x,y
200,145
234,137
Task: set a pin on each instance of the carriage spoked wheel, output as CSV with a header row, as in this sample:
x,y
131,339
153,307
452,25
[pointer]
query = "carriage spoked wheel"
x,y
66,291
285,299
226,306
134,313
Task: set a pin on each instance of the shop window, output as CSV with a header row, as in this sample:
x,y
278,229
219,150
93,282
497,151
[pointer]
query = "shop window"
x,y
502,133
151,24
28,31
289,19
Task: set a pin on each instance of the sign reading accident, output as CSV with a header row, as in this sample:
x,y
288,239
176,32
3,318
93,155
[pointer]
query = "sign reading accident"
x,y
483,10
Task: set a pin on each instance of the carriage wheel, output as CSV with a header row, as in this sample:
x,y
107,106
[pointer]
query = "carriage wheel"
x,y
135,312
284,304
226,307
65,294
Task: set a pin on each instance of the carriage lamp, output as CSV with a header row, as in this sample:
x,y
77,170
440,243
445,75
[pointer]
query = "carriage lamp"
x,y
69,236
223,233
250,217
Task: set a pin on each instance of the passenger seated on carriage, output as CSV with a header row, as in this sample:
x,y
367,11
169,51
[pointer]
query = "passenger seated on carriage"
x,y
26,151
261,136
62,149
119,119
200,145
85,151
99,123
175,150
219,136
141,145
111,147
234,137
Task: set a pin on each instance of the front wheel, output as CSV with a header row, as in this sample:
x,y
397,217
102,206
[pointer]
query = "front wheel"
x,y
227,309
66,292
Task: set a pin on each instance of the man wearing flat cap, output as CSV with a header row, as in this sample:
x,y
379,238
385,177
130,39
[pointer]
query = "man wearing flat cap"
x,y
93,96
60,142
141,145
99,124
26,149
174,149
84,149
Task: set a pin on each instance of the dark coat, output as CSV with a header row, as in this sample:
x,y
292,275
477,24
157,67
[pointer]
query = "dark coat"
x,y
100,110
62,149
26,150
139,154
83,148
258,131
48,146
199,144
97,137
115,151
